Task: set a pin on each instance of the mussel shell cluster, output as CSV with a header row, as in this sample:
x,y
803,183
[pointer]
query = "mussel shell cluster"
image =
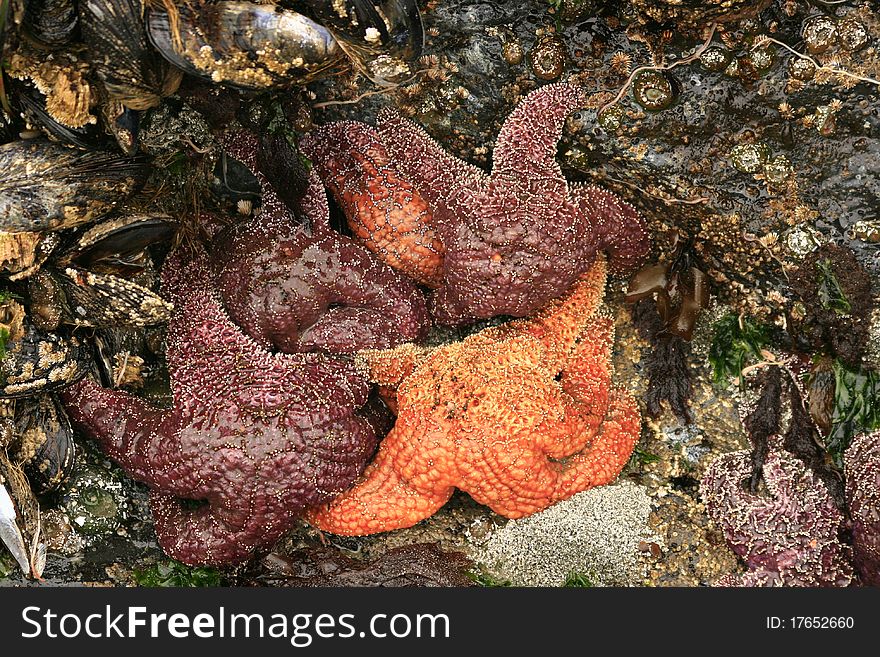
x,y
52,23
48,449
122,57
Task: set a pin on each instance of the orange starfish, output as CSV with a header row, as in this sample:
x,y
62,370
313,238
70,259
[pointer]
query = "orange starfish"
x,y
521,416
383,208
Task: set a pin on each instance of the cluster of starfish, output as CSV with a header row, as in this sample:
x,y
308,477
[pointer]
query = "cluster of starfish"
x,y
273,419
489,244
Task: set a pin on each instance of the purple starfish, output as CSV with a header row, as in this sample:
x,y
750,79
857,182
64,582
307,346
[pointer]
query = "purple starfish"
x,y
515,238
258,436
787,537
296,287
862,462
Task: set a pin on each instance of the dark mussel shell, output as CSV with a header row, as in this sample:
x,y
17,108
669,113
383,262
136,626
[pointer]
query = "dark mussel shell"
x,y
85,284
47,186
234,183
113,31
39,361
382,36
51,23
115,245
246,45
46,447
32,105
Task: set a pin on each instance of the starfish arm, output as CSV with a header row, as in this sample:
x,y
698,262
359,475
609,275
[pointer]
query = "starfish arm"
x,y
526,144
128,429
200,537
446,182
585,382
382,207
617,227
603,459
389,367
382,501
315,206
558,325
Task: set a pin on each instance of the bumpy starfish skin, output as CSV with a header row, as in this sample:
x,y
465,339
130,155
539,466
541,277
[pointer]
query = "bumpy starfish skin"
x,y
520,416
305,288
259,436
788,537
862,462
382,209
513,239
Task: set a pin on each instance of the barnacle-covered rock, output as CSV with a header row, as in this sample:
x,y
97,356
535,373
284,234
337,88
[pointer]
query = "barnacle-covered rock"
x,y
46,186
61,80
247,45
113,31
20,251
862,462
788,535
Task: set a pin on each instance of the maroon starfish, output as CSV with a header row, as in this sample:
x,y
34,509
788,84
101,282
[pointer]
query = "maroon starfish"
x,y
513,239
304,287
259,436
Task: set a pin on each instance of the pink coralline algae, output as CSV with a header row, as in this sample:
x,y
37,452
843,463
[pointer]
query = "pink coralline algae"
x,y
862,465
295,287
511,240
788,536
257,437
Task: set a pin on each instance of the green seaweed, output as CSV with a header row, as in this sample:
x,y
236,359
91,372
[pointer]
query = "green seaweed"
x,y
576,580
831,295
4,338
4,332
481,578
856,407
7,563
175,574
642,457
736,341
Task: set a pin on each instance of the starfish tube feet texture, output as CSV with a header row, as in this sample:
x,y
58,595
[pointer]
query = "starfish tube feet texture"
x,y
382,209
256,436
788,536
862,464
295,291
296,287
520,416
518,236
